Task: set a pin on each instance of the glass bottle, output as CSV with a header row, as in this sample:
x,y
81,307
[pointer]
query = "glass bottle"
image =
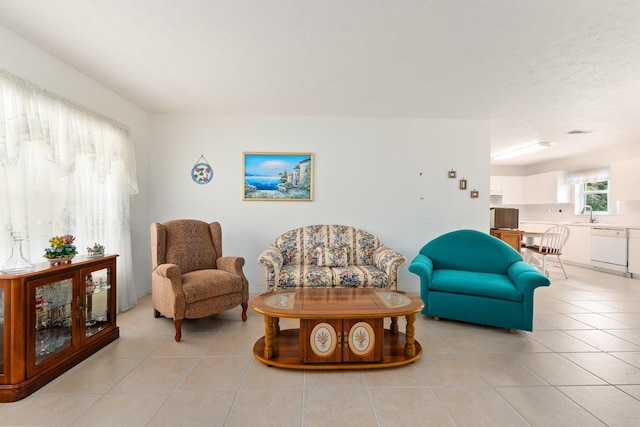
x,y
16,263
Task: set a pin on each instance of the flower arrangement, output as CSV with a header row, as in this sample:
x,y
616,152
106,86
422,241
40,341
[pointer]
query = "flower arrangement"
x,y
61,247
96,250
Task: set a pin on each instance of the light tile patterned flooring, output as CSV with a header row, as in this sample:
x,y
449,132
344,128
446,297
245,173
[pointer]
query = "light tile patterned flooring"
x,y
581,367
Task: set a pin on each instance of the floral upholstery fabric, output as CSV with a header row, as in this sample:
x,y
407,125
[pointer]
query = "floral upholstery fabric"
x,y
330,256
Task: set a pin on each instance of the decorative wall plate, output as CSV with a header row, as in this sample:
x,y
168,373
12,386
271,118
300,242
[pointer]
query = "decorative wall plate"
x,y
202,172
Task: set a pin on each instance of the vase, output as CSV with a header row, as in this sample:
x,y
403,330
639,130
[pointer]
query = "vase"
x,y
16,263
59,260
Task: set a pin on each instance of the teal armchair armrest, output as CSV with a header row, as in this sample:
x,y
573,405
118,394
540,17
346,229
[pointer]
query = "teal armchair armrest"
x,y
526,278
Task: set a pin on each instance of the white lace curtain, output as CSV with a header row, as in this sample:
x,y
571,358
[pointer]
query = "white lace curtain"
x,y
589,175
64,170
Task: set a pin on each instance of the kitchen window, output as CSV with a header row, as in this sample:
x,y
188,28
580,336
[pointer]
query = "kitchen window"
x,y
592,189
596,195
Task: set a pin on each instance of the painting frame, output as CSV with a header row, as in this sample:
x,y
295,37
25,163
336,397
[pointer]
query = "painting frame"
x,y
277,176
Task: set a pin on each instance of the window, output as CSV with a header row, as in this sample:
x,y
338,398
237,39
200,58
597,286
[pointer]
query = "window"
x,y
596,195
592,189
64,170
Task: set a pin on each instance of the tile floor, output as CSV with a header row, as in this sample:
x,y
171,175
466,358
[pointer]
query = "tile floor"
x,y
581,367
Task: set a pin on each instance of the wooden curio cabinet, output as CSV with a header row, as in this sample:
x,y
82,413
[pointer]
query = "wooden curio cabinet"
x,y
51,319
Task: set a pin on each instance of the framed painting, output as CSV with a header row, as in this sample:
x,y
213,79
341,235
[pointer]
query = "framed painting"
x,y
277,176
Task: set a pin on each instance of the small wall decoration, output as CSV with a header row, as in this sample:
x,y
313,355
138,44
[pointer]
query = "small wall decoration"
x,y
277,176
474,194
452,173
463,184
202,172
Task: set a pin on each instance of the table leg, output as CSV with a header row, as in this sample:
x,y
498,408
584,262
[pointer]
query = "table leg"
x,y
393,328
277,325
269,334
409,346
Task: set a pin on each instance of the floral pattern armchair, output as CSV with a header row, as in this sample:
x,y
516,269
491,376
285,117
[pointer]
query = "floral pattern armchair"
x,y
320,256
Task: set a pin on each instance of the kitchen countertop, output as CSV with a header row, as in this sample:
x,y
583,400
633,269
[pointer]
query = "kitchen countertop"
x,y
583,224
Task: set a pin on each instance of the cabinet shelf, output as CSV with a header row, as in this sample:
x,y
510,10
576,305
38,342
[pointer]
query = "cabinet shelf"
x,y
49,322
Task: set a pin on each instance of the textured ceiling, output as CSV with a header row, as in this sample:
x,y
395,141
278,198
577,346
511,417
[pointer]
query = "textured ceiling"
x,y
536,69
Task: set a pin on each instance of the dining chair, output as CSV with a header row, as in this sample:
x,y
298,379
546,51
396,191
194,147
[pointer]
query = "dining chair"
x,y
551,243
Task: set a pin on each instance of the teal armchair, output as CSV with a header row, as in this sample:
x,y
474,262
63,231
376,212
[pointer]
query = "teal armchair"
x,y
474,277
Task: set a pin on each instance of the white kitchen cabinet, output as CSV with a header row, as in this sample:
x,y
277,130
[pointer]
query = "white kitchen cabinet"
x,y
495,185
513,190
634,251
547,188
623,180
577,250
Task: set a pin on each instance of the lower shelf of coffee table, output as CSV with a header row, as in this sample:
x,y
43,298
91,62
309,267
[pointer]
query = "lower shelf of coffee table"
x,y
287,353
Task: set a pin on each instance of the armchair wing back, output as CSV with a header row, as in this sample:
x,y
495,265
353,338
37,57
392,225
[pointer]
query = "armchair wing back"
x,y
190,277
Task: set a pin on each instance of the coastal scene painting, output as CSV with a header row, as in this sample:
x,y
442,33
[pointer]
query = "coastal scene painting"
x,y
278,176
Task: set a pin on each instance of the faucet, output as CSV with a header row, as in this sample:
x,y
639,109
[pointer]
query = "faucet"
x,y
590,209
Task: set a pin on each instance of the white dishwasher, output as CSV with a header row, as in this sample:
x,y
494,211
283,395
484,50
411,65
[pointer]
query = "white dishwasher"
x,y
609,249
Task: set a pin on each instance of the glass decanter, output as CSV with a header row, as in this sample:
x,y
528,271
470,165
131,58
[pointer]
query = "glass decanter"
x,y
16,263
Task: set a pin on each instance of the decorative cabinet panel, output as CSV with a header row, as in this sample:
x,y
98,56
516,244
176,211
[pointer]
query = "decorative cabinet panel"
x,y
335,341
51,319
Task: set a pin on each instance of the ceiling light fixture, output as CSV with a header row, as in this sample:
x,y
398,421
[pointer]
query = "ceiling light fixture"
x,y
578,132
522,150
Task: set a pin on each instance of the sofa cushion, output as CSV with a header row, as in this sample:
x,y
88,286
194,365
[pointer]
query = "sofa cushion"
x,y
313,276
310,276
475,283
332,257
298,246
204,284
359,276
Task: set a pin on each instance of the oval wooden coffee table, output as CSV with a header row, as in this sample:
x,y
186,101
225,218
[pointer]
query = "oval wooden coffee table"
x,y
340,328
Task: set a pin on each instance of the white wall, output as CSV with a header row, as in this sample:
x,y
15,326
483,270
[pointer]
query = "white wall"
x,y
367,171
366,174
37,66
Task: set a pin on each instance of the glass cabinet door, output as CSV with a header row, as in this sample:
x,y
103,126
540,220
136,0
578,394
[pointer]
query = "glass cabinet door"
x,y
53,319
2,355
97,303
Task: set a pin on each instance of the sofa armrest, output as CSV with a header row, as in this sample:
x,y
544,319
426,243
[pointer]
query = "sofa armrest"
x,y
167,293
526,278
423,267
272,261
389,261
231,264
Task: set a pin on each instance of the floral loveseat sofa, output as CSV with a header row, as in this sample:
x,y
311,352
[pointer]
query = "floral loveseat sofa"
x,y
319,256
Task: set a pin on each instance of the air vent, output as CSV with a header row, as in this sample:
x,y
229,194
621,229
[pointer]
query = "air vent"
x,y
578,132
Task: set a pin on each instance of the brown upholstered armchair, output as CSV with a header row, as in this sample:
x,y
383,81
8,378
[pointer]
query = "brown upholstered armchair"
x,y
190,277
